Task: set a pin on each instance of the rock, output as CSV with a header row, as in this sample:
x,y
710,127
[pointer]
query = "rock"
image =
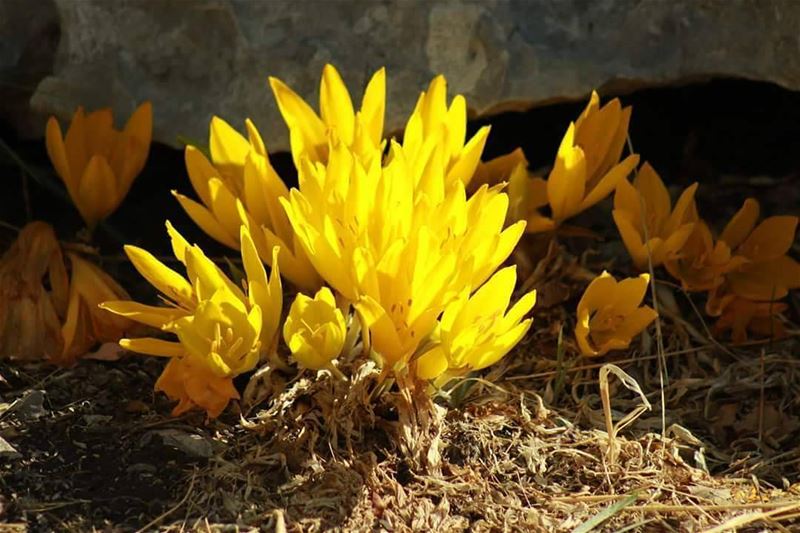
x,y
189,443
29,407
196,58
7,451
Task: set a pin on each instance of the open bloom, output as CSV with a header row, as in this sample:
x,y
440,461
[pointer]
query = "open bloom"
x,y
476,332
610,314
240,186
33,295
361,131
587,166
315,329
767,272
86,324
702,263
400,248
648,224
221,330
97,162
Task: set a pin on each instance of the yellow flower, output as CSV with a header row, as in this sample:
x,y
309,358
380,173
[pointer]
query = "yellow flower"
x,y
221,329
476,332
610,314
86,324
435,127
702,264
98,163
30,314
315,329
666,229
361,131
242,187
587,167
767,272
399,250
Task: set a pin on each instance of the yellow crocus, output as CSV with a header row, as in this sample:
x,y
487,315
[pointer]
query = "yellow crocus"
x,y
33,295
702,263
361,131
477,331
194,386
587,167
767,272
399,251
648,224
436,127
610,314
85,324
98,163
315,329
240,186
221,329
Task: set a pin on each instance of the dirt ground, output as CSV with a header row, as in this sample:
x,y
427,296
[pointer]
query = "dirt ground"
x,y
521,447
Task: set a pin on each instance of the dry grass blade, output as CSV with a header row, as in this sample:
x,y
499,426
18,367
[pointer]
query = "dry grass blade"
x,y
749,518
605,514
611,428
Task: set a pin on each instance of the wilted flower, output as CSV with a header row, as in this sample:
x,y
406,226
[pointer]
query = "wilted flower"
x,y
476,332
660,231
98,163
587,167
702,264
86,324
315,329
767,273
242,187
610,314
362,132
193,385
741,315
30,314
222,331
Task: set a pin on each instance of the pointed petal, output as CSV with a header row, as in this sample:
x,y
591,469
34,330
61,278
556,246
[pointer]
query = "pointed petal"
x,y
742,224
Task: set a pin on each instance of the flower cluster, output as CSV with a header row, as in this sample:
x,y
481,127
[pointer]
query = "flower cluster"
x,y
221,330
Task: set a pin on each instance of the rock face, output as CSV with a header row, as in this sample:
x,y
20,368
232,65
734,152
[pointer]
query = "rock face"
x,y
196,58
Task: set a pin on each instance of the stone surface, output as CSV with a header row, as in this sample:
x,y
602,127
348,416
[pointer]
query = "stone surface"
x,y
195,58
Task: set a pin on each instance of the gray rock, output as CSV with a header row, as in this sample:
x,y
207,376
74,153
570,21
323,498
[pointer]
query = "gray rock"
x,y
7,451
189,443
196,58
29,407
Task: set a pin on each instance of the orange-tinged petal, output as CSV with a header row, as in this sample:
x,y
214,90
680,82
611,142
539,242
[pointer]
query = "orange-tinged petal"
x,y
97,192
567,181
742,224
58,156
771,239
655,196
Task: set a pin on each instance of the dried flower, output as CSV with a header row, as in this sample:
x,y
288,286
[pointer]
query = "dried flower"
x,y
30,325
242,187
660,231
315,329
221,330
587,167
98,163
610,314
86,324
476,332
